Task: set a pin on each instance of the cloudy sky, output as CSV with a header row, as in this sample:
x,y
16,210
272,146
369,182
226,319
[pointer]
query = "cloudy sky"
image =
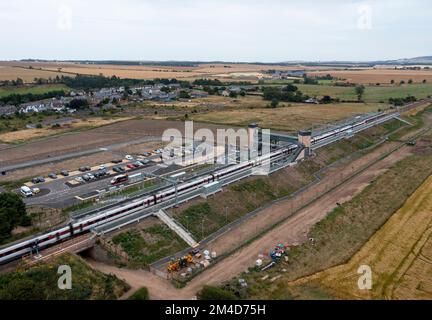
x,y
208,30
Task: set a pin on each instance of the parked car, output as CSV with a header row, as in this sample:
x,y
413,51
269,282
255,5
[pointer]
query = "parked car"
x,y
91,176
79,179
64,173
131,166
86,177
82,169
138,164
116,169
38,180
52,176
146,154
36,190
116,161
129,157
146,161
102,167
26,191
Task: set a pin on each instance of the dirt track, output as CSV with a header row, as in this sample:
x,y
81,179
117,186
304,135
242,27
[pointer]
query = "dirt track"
x,y
292,230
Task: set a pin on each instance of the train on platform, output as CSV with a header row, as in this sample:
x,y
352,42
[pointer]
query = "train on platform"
x,y
54,237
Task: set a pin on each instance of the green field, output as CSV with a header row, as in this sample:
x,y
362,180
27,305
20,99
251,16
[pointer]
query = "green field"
x,y
41,89
372,93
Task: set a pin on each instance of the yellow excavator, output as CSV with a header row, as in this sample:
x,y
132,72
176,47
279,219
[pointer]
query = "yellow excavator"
x,y
183,262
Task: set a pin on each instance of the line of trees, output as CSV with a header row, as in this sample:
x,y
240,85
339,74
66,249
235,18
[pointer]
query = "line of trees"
x,y
289,93
12,214
17,99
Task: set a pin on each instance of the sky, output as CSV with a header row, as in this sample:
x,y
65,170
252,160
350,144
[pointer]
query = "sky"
x,y
215,30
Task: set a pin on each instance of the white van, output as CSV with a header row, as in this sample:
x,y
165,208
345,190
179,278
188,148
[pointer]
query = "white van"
x,y
26,191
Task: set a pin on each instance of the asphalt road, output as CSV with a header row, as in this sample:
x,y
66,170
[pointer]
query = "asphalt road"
x,y
77,154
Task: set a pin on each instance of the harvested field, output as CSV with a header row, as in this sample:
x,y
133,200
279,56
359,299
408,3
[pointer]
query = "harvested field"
x,y
30,134
290,119
400,255
378,75
120,132
28,75
12,70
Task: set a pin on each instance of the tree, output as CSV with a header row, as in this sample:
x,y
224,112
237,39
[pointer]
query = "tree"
x,y
140,294
233,94
215,293
360,90
274,103
184,95
12,214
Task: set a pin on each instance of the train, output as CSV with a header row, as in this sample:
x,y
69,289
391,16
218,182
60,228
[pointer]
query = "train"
x,y
348,128
51,238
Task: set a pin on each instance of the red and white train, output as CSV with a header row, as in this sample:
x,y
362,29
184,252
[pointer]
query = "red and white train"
x,y
17,250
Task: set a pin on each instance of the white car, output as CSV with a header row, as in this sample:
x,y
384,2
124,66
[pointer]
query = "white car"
x,y
36,190
26,191
102,167
79,179
129,157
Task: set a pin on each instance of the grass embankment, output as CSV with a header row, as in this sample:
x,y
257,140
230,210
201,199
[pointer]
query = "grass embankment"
x,y
40,283
148,245
341,234
207,216
33,89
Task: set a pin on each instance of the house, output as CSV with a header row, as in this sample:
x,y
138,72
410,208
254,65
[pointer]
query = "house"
x,y
225,93
7,110
312,101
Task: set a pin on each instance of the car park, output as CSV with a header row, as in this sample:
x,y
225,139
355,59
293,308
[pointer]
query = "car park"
x,y
52,176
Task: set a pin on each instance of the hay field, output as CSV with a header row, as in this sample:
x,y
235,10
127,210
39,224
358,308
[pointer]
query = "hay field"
x,y
28,75
400,255
30,134
378,75
290,119
12,69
